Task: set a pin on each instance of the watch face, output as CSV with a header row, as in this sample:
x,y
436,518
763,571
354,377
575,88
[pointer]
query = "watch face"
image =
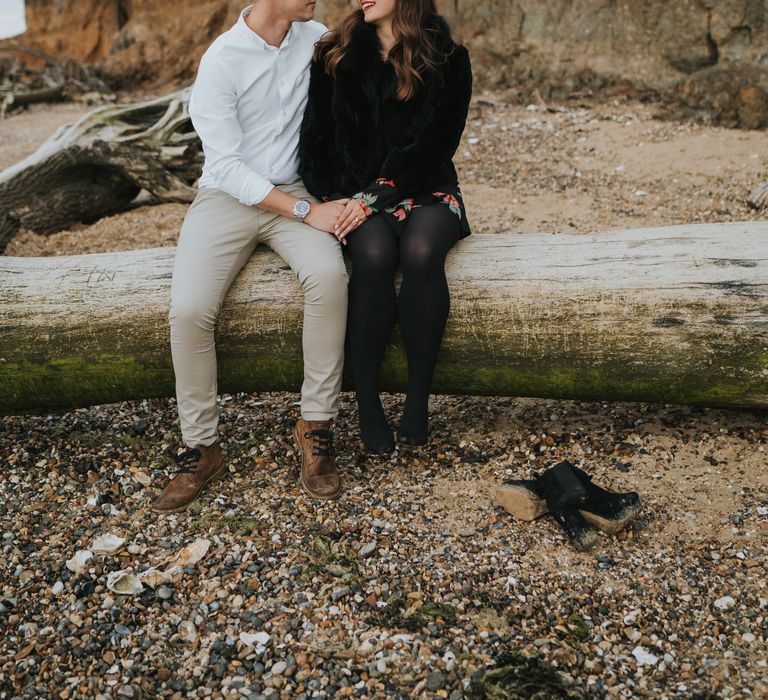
x,y
301,208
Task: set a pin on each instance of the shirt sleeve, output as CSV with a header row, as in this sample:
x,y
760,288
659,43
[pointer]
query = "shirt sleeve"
x,y
213,109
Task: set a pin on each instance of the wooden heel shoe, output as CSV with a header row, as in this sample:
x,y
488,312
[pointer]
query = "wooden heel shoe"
x,y
609,511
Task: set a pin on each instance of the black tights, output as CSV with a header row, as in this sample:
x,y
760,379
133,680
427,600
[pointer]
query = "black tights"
x,y
421,310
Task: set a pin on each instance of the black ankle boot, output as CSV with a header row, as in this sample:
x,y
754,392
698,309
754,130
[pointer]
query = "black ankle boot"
x,y
608,510
564,493
611,512
374,428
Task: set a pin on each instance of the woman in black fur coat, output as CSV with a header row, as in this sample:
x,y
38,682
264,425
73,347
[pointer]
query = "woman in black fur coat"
x,y
388,99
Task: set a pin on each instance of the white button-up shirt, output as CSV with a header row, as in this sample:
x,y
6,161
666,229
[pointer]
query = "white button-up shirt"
x,y
247,105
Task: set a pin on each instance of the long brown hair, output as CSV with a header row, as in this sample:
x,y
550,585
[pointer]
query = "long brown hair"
x,y
414,55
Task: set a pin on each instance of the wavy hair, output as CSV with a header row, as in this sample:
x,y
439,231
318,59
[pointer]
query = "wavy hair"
x,y
414,55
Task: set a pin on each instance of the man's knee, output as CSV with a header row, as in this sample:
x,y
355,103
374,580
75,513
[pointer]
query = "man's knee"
x,y
326,281
191,313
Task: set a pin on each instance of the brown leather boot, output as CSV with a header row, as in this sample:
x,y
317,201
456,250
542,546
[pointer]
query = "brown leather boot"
x,y
198,467
319,475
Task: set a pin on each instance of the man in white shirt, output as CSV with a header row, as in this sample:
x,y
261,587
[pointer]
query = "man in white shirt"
x,y
246,105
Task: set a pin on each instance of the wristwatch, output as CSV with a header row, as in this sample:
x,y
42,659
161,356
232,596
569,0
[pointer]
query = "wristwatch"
x,y
301,209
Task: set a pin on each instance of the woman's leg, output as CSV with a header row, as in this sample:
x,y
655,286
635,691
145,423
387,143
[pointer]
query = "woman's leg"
x,y
371,317
423,307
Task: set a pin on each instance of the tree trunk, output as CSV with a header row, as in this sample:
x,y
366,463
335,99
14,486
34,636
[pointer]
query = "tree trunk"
x,y
676,314
96,166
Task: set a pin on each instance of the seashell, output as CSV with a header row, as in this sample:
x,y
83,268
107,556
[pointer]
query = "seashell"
x,y
192,553
124,582
154,577
644,657
187,631
258,640
79,561
107,544
174,573
143,478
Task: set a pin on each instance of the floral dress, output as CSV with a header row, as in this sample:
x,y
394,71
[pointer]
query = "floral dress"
x,y
383,197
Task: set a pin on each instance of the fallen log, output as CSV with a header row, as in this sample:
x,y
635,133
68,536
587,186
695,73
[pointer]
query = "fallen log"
x,y
676,314
97,165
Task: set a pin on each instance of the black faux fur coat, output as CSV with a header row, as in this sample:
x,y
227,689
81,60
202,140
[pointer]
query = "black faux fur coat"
x,y
355,131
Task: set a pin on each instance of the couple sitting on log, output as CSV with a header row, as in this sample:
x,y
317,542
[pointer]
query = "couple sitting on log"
x,y
316,142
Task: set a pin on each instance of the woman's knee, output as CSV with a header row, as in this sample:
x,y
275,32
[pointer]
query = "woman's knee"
x,y
421,257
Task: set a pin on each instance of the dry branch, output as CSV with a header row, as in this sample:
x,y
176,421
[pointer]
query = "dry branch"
x,y
97,165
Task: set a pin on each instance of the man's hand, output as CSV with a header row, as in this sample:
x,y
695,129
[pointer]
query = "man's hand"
x,y
351,217
324,216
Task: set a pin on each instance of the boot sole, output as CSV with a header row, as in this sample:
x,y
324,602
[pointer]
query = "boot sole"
x,y
526,505
214,477
304,487
615,525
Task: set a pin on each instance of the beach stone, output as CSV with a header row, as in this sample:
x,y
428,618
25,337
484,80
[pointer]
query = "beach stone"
x,y
435,681
725,603
341,592
367,549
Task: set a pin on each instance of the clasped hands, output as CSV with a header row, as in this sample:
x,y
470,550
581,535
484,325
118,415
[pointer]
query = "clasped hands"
x,y
339,217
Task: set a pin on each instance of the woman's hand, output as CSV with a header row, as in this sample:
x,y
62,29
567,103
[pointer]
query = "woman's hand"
x,y
324,216
349,219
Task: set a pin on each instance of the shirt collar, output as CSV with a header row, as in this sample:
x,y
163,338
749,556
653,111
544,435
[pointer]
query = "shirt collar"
x,y
246,31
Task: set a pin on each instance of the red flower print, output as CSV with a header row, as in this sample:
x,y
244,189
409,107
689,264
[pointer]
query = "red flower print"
x,y
399,214
451,201
384,181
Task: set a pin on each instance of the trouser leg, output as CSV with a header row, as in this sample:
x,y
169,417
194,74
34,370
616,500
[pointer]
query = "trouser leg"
x,y
218,236
316,259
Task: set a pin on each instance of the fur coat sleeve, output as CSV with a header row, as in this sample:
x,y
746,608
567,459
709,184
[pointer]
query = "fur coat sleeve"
x,y
315,141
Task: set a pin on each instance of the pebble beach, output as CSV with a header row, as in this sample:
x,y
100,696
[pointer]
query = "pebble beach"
x,y
413,584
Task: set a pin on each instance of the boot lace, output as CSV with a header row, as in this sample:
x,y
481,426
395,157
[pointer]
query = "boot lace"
x,y
322,442
188,461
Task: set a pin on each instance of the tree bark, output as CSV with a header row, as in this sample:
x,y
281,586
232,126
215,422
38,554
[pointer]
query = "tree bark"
x,y
97,165
676,314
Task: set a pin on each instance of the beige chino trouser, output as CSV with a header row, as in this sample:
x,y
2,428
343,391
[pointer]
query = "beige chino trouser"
x,y
218,236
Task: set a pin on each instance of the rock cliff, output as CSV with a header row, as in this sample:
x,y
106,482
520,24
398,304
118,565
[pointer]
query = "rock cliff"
x,y
694,46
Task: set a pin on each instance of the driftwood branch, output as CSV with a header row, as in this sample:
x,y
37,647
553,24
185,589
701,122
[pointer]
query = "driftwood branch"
x,y
675,314
97,165
50,94
21,85
759,197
